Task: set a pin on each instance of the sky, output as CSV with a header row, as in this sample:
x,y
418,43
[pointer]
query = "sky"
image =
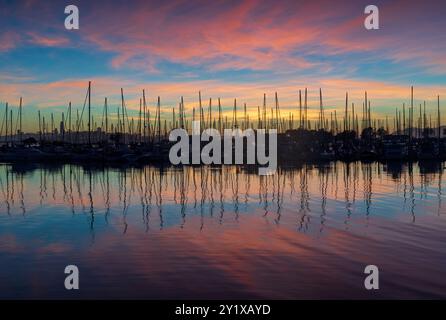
x,y
225,49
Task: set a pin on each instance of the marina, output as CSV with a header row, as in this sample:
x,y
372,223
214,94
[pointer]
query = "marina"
x,y
144,138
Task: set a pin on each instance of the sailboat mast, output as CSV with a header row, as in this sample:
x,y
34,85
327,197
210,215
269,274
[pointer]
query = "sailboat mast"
x,y
335,122
365,109
123,114
369,116
52,127
259,121
20,115
264,111
62,127
201,110
234,115
6,123
10,127
322,125
182,113
69,120
346,112
106,116
306,110
411,114
159,119
244,120
144,113
140,120
404,118
89,112
353,118
210,113
300,109
219,116
438,118
40,129
277,111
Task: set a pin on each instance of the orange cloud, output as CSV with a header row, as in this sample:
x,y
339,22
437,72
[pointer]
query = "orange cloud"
x,y
46,41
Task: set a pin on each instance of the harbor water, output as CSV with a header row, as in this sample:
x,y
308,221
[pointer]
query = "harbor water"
x,y
307,232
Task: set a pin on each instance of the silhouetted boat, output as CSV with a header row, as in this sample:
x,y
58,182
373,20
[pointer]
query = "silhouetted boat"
x,y
428,149
395,147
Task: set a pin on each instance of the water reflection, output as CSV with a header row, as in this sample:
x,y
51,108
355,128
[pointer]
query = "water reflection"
x,y
364,204
212,191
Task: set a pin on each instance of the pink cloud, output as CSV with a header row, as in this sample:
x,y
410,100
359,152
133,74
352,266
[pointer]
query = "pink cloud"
x,y
234,37
252,34
259,36
55,41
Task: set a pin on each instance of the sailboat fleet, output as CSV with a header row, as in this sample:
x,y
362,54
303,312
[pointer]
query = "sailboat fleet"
x,y
411,134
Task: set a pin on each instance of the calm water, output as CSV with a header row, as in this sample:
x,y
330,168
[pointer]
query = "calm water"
x,y
307,232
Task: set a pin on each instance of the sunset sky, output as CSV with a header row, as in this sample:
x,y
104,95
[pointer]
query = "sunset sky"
x,y
227,49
